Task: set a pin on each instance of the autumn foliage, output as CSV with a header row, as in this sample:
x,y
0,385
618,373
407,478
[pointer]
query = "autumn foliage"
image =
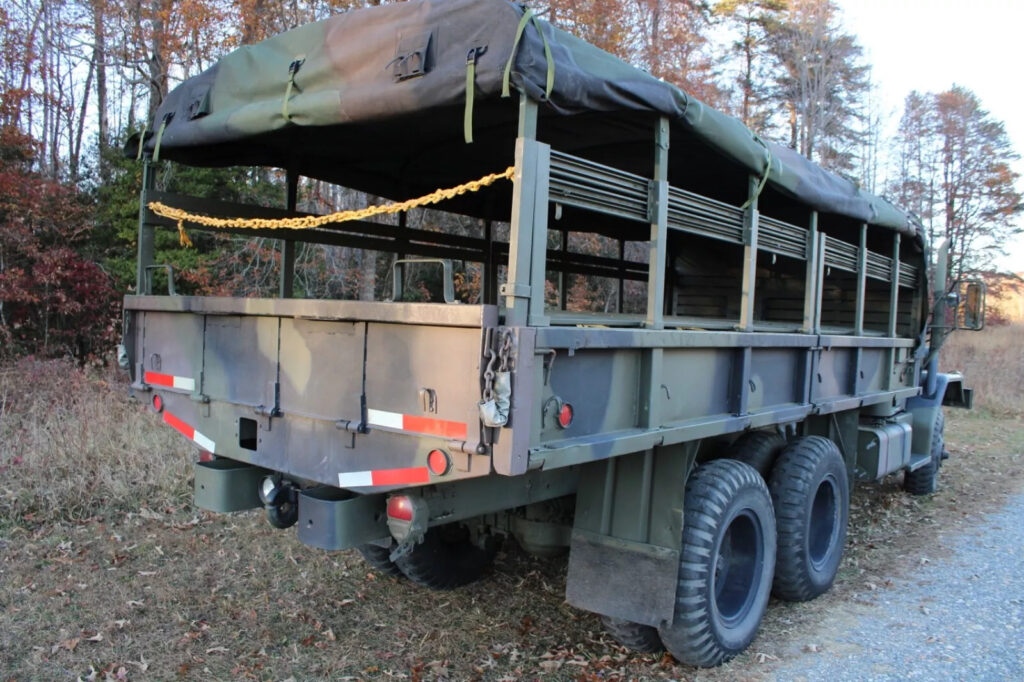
x,y
54,300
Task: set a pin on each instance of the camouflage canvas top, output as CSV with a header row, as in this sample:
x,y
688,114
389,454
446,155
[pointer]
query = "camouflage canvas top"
x,y
375,99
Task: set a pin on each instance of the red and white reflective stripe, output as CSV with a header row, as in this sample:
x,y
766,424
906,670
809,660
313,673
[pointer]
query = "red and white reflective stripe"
x,y
366,479
414,424
170,381
190,433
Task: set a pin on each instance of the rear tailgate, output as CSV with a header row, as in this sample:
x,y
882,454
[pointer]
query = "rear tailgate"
x,y
342,393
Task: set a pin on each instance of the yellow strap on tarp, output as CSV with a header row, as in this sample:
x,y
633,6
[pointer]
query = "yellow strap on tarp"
x,y
506,78
312,221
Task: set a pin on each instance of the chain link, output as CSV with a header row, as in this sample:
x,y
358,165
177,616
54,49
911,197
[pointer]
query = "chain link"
x,y
503,359
505,353
305,222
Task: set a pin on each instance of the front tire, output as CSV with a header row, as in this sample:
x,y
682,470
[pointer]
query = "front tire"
x,y
925,480
811,495
725,566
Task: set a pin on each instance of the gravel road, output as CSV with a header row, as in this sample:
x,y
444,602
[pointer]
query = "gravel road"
x,y
960,617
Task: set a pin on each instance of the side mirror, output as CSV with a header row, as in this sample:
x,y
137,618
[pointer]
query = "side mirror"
x,y
970,313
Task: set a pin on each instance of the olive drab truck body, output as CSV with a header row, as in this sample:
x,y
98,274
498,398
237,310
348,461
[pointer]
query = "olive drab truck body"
x,y
786,346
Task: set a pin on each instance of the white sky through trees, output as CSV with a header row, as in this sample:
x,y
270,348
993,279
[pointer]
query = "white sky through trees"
x,y
928,45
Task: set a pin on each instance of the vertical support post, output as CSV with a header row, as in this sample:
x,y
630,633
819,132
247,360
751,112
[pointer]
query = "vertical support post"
x,y
653,360
147,235
646,480
894,300
858,318
398,285
620,306
516,289
749,258
659,229
608,498
862,274
287,282
819,279
490,275
811,275
539,257
563,278
894,292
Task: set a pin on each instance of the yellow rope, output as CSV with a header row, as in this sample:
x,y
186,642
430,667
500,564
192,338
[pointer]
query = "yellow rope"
x,y
306,222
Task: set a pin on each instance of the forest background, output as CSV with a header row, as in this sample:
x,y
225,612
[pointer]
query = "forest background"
x,y
77,77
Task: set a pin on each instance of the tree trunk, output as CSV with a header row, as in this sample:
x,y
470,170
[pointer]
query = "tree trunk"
x,y
99,56
157,60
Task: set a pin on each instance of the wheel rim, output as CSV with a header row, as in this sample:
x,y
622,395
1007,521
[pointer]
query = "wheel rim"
x,y
738,568
823,524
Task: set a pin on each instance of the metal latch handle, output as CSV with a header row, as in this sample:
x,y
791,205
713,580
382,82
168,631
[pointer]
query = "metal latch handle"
x,y
170,278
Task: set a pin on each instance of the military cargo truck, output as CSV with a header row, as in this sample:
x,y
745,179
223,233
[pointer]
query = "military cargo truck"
x,y
694,454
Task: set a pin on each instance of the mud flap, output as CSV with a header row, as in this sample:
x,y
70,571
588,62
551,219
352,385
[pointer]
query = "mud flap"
x,y
623,579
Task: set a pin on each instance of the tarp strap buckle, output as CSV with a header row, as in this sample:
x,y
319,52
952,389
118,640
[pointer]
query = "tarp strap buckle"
x,y
160,135
529,16
472,57
293,69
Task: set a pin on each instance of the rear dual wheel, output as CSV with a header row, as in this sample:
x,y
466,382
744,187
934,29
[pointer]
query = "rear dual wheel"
x,y
811,497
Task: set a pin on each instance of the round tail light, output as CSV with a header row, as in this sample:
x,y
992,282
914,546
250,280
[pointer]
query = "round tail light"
x,y
158,403
565,415
439,462
400,507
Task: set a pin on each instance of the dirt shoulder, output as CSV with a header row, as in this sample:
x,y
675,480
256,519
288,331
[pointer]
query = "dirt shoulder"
x,y
165,592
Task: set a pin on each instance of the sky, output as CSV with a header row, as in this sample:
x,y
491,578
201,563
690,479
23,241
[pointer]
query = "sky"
x,y
928,45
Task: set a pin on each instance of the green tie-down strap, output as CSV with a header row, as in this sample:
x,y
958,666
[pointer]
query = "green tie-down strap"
x,y
142,140
160,135
764,178
293,69
467,114
527,17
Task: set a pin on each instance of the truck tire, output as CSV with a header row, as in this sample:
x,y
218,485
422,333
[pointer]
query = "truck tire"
x,y
725,565
759,449
635,636
380,558
447,558
925,480
811,496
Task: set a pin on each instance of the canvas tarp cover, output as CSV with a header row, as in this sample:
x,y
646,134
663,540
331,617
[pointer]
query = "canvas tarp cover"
x,y
352,118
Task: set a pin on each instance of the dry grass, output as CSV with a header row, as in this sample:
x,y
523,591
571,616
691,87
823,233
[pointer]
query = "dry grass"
x,y
992,361
73,444
106,569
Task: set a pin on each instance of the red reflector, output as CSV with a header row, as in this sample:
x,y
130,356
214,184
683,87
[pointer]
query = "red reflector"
x,y
205,456
158,403
400,507
565,415
438,462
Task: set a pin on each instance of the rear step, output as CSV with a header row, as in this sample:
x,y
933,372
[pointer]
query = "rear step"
x,y
330,518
